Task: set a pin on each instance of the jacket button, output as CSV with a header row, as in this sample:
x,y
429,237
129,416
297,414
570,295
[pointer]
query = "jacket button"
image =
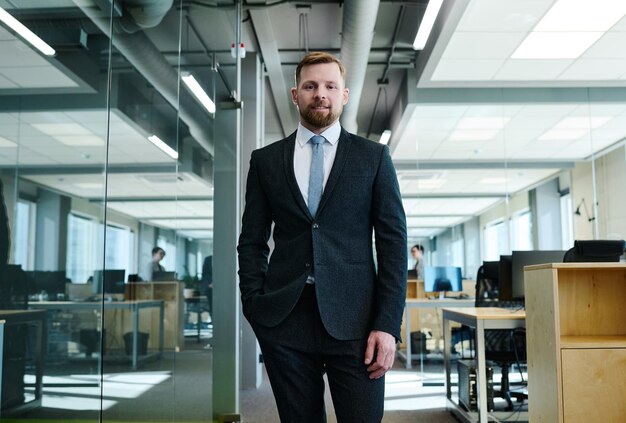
x,y
316,226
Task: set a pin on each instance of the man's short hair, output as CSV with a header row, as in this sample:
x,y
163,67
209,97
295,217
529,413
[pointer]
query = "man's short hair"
x,y
419,247
316,58
157,249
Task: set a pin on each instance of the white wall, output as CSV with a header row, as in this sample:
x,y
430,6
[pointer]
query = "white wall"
x,y
610,182
517,203
582,188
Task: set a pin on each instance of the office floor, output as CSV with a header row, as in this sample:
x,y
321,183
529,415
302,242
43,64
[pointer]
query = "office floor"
x,y
410,396
178,388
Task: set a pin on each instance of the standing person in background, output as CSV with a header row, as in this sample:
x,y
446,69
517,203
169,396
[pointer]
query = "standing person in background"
x,y
207,281
321,306
417,252
158,254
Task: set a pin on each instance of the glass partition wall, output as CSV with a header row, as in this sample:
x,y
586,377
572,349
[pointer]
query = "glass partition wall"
x,y
104,158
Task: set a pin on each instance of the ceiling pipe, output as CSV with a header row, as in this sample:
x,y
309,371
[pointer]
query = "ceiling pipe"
x,y
148,13
140,14
150,63
359,19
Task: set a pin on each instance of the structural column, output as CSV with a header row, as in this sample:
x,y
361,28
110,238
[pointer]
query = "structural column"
x,y
252,96
227,194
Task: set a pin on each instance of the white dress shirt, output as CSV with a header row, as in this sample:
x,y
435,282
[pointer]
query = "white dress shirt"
x,y
303,152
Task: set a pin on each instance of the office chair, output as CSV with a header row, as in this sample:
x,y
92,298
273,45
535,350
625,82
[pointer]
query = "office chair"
x,y
502,347
13,296
595,251
505,348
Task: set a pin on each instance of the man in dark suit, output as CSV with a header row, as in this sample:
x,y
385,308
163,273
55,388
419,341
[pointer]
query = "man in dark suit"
x,y
321,305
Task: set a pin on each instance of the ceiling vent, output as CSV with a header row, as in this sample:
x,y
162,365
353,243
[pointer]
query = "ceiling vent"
x,y
420,176
161,178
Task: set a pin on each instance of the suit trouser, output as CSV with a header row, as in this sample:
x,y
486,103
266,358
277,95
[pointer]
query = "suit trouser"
x,y
299,351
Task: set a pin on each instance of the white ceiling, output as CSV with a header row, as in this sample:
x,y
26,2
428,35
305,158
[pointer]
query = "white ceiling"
x,y
442,207
74,137
464,181
182,224
126,185
23,68
557,131
473,54
180,209
480,50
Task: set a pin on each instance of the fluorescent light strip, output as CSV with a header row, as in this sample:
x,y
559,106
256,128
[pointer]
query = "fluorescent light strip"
x,y
385,137
555,45
198,92
26,33
426,26
163,147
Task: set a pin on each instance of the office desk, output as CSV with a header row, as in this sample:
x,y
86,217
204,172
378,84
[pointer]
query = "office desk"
x,y
25,317
479,318
417,303
132,306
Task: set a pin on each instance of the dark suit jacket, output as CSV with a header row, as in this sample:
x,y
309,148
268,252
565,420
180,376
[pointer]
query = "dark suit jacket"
x,y
361,197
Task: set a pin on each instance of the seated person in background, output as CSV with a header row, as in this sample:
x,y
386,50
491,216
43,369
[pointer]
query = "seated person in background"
x,y
158,254
417,251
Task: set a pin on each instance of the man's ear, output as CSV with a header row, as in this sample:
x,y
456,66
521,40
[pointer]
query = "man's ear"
x,y
346,96
294,95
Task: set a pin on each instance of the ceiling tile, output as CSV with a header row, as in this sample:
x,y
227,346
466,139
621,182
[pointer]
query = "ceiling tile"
x,y
503,16
609,46
21,55
5,35
533,70
466,69
38,77
482,45
6,83
595,69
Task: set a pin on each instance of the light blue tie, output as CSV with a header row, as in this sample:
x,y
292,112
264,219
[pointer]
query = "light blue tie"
x,y
316,180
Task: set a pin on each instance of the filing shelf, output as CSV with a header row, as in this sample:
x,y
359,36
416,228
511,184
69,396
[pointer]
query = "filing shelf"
x,y
576,333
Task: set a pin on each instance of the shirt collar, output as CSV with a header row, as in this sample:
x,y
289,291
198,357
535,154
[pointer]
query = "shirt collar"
x,y
303,135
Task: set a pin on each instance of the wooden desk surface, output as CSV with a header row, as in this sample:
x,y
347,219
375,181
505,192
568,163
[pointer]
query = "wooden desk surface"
x,y
487,313
72,303
613,265
10,313
437,303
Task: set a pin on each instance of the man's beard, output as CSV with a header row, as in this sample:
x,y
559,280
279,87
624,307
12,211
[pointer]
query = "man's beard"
x,y
317,119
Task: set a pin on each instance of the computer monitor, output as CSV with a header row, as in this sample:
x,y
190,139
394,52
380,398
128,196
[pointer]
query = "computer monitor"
x,y
442,279
164,276
519,259
53,282
109,281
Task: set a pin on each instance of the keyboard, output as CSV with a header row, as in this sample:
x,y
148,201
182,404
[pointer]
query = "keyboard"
x,y
510,304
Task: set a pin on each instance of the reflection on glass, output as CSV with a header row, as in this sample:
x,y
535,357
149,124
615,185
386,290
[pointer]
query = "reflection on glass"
x,y
86,196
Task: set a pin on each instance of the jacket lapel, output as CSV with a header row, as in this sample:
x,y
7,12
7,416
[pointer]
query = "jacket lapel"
x,y
288,152
340,160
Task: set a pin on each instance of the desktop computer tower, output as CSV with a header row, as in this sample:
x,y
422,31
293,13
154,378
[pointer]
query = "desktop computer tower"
x,y
468,385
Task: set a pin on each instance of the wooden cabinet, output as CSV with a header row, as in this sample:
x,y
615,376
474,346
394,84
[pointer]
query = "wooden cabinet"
x,y
172,295
576,342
